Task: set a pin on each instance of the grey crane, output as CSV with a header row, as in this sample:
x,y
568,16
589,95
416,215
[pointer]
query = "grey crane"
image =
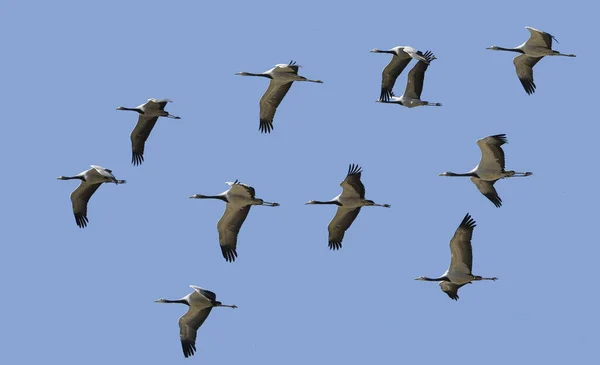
x,y
282,76
148,115
490,168
461,261
90,182
239,198
200,303
414,86
531,52
349,203
401,56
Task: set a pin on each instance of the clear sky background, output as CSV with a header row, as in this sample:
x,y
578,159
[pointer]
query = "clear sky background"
x,y
74,296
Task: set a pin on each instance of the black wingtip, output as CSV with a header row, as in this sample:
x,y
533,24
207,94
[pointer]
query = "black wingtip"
x,y
265,126
189,348
137,159
385,95
495,199
334,245
528,85
500,138
229,254
354,169
468,222
429,56
81,220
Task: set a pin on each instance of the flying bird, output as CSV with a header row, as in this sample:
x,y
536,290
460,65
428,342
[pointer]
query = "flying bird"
x,y
401,56
531,52
349,203
282,76
239,198
414,86
200,303
90,182
490,168
148,115
461,261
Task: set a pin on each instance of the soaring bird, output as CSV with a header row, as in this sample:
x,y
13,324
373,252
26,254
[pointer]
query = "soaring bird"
x,y
401,56
531,52
461,261
349,203
491,168
200,303
282,76
148,115
414,86
90,182
239,198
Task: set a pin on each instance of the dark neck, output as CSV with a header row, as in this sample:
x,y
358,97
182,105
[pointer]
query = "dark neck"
x,y
260,75
442,278
80,177
509,49
220,197
180,301
384,51
133,110
329,202
465,174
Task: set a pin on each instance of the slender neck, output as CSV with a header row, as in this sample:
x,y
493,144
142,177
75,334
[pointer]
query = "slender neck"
x,y
442,278
220,197
508,49
131,109
465,174
329,202
384,51
80,177
180,301
259,75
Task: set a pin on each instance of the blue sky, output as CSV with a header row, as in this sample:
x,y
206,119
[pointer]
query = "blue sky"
x,y
74,295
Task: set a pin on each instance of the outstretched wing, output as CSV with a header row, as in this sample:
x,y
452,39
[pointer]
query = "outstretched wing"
x,y
492,154
138,136
537,38
488,190
229,227
339,224
391,72
416,77
352,186
188,327
269,103
524,67
80,198
461,261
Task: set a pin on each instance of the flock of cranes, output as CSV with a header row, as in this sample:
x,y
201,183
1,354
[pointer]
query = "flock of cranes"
x,y
239,198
